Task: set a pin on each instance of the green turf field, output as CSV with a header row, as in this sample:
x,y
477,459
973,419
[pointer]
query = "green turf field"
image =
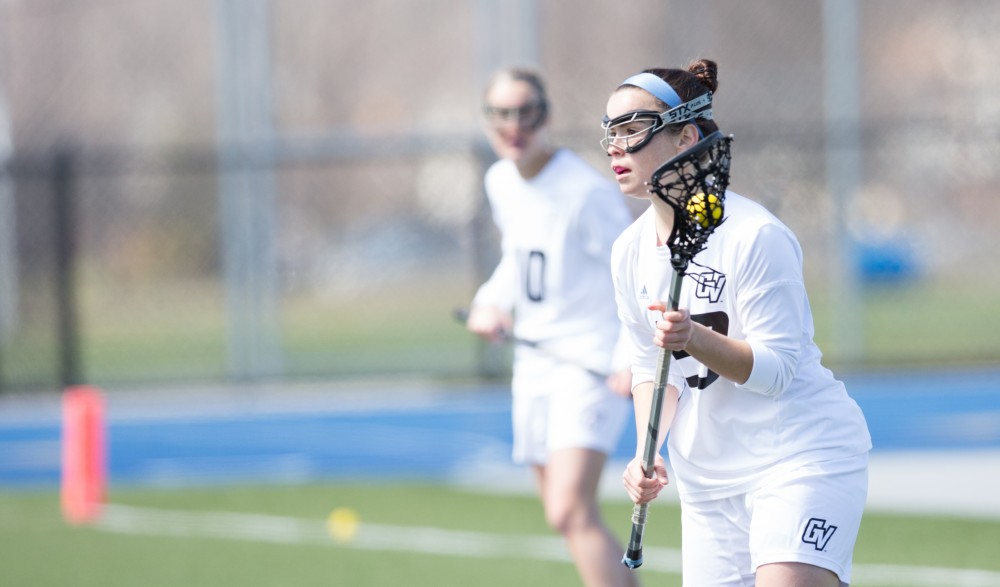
x,y
409,535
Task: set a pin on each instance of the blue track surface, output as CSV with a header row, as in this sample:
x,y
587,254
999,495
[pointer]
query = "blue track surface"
x,y
433,438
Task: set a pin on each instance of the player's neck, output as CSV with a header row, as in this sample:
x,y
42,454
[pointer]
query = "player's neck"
x,y
664,215
532,165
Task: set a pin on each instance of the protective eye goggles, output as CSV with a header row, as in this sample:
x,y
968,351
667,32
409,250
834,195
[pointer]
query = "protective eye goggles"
x,y
633,130
528,116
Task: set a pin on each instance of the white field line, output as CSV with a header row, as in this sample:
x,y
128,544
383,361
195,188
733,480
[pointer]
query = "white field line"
x,y
284,530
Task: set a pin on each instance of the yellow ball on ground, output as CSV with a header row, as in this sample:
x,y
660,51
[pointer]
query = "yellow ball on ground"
x,y
343,524
706,211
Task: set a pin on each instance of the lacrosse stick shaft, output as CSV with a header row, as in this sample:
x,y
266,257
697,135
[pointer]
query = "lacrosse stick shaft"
x,y
462,316
687,184
633,554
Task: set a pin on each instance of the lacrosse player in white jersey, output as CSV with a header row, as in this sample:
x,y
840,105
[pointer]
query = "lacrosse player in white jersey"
x,y
558,217
768,451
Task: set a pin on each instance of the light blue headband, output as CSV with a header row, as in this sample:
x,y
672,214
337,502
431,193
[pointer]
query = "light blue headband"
x,y
656,86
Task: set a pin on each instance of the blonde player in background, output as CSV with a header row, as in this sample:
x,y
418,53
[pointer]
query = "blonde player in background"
x,y
558,218
769,452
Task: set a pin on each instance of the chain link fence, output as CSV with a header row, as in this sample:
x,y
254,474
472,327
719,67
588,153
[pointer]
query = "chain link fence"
x,y
145,242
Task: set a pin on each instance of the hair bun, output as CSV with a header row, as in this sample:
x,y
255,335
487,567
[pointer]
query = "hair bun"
x,y
707,71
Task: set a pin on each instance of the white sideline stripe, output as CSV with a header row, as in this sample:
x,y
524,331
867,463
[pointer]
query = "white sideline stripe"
x,y
284,530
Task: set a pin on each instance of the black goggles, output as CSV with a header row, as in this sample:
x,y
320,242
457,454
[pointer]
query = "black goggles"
x,y
632,130
530,115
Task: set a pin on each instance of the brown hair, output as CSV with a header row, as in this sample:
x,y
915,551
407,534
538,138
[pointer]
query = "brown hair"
x,y
700,75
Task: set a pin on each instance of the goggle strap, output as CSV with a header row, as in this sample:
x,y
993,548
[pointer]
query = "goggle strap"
x,y
687,110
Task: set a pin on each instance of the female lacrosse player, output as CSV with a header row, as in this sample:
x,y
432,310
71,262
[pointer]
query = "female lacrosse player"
x,y
769,452
558,218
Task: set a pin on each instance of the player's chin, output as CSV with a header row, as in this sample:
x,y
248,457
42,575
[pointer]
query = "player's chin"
x,y
514,150
632,187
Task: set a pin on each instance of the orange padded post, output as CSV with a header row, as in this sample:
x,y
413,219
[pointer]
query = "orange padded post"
x,y
84,472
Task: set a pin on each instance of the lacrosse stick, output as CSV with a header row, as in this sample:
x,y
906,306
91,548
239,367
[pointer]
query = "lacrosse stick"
x,y
462,316
694,184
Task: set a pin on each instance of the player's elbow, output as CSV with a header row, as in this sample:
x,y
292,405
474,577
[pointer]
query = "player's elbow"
x,y
773,369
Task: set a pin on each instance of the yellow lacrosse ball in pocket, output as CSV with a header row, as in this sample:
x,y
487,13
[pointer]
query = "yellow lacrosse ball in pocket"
x,y
705,210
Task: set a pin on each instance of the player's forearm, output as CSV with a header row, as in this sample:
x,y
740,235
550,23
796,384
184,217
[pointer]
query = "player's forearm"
x,y
730,358
642,399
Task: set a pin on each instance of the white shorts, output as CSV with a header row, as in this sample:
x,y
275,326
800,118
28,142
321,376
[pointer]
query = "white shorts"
x,y
809,514
557,405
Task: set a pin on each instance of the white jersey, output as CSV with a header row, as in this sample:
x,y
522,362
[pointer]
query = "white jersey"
x,y
748,285
554,273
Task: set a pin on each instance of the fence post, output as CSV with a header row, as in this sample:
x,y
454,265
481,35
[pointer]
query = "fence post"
x,y
64,216
245,119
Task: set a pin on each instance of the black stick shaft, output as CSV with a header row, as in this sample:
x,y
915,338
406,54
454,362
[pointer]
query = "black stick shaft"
x,y
462,316
633,554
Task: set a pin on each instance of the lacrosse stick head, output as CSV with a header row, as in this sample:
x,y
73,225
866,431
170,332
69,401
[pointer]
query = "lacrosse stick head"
x,y
694,184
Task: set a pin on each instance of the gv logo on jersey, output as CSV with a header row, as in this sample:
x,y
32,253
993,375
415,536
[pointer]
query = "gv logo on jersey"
x,y
818,533
710,285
